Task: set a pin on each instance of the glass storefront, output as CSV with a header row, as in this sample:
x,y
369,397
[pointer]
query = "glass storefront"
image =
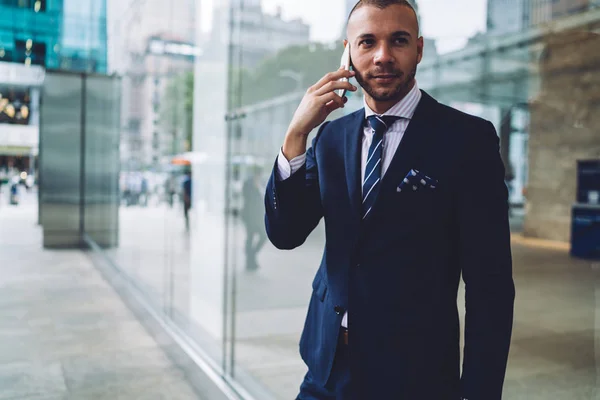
x,y
207,91
56,34
38,36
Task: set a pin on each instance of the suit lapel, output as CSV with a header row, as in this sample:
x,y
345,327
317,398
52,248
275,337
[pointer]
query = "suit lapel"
x,y
353,149
411,148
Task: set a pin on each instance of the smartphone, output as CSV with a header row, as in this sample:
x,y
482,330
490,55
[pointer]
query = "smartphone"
x,y
345,62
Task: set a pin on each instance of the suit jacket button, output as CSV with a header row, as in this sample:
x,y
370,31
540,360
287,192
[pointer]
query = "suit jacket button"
x,y
338,310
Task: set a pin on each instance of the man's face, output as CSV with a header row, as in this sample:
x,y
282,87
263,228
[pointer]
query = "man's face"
x,y
385,50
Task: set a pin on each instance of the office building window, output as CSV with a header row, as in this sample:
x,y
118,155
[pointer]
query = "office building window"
x,y
36,5
30,52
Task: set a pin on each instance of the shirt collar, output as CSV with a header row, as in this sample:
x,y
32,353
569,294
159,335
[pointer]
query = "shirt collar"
x,y
405,108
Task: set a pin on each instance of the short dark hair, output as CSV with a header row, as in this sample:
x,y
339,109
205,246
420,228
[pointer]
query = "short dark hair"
x,y
381,4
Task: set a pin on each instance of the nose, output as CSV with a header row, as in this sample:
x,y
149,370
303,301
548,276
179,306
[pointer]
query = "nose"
x,y
383,55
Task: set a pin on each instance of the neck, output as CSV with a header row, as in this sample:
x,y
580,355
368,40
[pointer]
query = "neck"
x,y
380,107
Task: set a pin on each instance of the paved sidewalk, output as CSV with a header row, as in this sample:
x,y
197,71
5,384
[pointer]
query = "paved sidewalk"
x,y
64,333
556,341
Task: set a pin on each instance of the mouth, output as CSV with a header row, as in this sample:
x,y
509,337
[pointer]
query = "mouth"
x,y
385,78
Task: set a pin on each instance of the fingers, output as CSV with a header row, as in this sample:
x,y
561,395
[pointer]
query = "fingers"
x,y
335,85
332,106
332,101
332,76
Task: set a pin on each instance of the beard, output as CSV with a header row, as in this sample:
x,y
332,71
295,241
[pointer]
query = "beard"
x,y
396,92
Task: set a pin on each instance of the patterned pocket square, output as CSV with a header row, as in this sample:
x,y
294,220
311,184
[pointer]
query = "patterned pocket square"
x,y
415,180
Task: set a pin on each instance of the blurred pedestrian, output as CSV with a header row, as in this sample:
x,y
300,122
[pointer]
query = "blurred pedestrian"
x,y
186,187
144,191
171,189
14,191
252,215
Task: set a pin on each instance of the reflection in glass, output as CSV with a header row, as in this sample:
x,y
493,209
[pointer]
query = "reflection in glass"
x,y
208,89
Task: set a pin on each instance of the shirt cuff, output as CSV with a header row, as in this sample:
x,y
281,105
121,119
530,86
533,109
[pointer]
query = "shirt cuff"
x,y
286,168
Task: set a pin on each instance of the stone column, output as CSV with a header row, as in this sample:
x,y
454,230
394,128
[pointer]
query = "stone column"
x,y
565,127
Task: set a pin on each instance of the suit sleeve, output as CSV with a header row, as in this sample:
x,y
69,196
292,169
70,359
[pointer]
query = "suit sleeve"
x,y
293,206
486,262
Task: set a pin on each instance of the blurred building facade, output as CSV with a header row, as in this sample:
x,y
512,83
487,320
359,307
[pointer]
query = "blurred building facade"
x,y
56,34
258,34
152,45
547,10
506,16
539,87
68,35
565,116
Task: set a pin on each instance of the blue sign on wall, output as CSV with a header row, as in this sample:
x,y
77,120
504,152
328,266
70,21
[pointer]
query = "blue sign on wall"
x,y
585,232
588,182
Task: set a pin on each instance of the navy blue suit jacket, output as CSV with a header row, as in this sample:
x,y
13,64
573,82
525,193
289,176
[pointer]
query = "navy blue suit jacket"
x,y
398,272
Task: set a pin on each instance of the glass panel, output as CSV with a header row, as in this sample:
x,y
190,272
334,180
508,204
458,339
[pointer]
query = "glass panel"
x,y
535,86
207,92
173,171
208,291
272,288
152,47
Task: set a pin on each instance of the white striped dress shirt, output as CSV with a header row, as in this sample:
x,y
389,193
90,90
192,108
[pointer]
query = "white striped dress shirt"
x,y
405,109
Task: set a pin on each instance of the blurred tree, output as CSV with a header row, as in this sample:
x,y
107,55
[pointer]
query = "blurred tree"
x,y
177,111
307,63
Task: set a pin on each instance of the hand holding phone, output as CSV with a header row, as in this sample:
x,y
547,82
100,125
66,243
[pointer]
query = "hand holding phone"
x,y
320,100
345,64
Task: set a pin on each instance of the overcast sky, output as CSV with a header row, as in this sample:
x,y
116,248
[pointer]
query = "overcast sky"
x,y
450,22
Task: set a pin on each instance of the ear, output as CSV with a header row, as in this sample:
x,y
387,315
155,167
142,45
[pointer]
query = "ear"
x,y
420,45
346,43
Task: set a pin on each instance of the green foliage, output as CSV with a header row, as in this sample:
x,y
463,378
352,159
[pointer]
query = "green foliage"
x,y
177,109
259,84
312,62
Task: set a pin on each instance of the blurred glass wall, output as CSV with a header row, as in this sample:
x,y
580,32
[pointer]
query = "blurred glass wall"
x,y
64,35
57,34
207,90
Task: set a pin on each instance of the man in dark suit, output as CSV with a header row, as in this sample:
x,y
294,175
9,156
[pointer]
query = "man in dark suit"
x,y
412,195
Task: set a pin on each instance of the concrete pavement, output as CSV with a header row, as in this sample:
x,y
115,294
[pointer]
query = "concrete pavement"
x,y
556,334
64,332
554,355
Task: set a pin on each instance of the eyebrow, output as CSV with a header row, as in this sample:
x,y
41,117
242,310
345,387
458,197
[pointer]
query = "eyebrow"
x,y
401,33
395,34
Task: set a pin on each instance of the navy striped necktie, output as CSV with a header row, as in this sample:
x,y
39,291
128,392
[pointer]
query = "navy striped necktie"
x,y
372,181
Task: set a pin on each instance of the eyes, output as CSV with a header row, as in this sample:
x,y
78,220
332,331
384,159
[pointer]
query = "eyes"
x,y
367,43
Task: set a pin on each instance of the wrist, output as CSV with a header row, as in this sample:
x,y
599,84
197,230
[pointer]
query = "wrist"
x,y
294,146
